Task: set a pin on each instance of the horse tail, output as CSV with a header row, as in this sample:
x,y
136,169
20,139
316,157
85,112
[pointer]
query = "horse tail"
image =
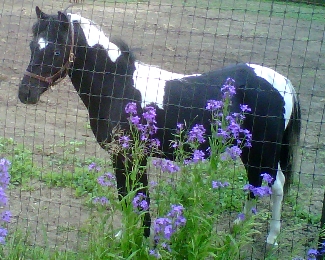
x,y
290,142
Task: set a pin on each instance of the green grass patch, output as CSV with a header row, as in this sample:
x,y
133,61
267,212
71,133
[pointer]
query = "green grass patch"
x,y
267,8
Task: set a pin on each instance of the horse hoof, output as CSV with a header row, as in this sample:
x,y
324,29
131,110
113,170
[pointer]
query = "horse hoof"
x,y
118,235
271,247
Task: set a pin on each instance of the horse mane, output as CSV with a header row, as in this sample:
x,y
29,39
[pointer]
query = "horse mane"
x,y
128,58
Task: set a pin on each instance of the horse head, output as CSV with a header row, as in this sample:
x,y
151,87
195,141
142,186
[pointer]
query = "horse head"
x,y
51,55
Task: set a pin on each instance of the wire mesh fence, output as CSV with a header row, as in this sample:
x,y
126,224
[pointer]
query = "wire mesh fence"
x,y
50,144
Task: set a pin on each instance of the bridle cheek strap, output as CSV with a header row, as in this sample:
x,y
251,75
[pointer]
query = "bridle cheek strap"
x,y
57,77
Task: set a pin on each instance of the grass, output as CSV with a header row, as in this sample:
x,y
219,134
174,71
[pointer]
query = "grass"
x,y
66,171
268,8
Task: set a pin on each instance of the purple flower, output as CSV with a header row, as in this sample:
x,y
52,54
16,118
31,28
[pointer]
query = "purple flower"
x,y
214,105
245,108
228,88
93,166
154,143
140,203
125,141
311,254
135,120
107,179
150,114
160,227
247,137
3,197
262,191
101,200
233,152
254,210
154,253
131,108
168,231
166,246
196,134
198,156
166,165
223,133
267,177
4,182
174,144
248,187
258,191
165,227
3,234
233,127
219,184
241,216
4,174
153,184
180,126
6,216
176,211
4,165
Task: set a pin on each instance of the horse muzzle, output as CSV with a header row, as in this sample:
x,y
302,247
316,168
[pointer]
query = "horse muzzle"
x,y
28,94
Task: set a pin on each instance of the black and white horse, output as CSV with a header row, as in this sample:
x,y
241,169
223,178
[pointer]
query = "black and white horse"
x,y
107,77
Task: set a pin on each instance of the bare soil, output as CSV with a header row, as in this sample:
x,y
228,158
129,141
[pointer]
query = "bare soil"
x,y
178,38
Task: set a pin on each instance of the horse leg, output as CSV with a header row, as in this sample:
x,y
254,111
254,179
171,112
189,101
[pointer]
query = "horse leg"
x,y
264,157
276,197
119,163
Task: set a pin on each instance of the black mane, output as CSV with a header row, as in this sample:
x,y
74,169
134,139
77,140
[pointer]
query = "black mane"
x,y
125,63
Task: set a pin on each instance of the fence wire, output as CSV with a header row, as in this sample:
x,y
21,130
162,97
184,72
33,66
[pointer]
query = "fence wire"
x,y
50,143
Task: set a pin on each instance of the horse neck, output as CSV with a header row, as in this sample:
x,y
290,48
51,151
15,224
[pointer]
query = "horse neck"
x,y
94,75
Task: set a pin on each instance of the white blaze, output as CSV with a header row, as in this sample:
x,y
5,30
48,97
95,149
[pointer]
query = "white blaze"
x,y
94,35
42,43
280,83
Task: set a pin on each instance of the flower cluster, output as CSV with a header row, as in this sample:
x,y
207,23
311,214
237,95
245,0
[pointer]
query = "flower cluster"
x,y
198,156
313,253
125,141
219,184
196,134
147,129
263,190
165,227
101,200
229,129
107,179
4,182
94,167
166,165
228,90
258,192
140,202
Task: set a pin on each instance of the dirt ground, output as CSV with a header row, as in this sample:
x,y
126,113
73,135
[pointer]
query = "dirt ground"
x,y
176,38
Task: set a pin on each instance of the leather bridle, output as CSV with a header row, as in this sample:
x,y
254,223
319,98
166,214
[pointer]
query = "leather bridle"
x,y
56,78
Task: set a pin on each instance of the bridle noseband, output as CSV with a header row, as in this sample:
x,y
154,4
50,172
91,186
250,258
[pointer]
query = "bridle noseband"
x,y
56,78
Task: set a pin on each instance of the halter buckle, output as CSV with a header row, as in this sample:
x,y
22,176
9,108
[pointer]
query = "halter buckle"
x,y
71,57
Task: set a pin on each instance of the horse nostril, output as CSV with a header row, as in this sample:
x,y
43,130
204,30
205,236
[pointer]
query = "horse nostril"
x,y
25,95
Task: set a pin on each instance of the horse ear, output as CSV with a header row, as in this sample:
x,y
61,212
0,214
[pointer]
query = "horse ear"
x,y
40,14
63,17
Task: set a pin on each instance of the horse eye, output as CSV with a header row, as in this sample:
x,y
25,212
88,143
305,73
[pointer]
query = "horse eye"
x,y
57,52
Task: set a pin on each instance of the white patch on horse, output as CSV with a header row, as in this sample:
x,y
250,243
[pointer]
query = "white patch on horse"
x,y
94,35
281,83
42,43
151,80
